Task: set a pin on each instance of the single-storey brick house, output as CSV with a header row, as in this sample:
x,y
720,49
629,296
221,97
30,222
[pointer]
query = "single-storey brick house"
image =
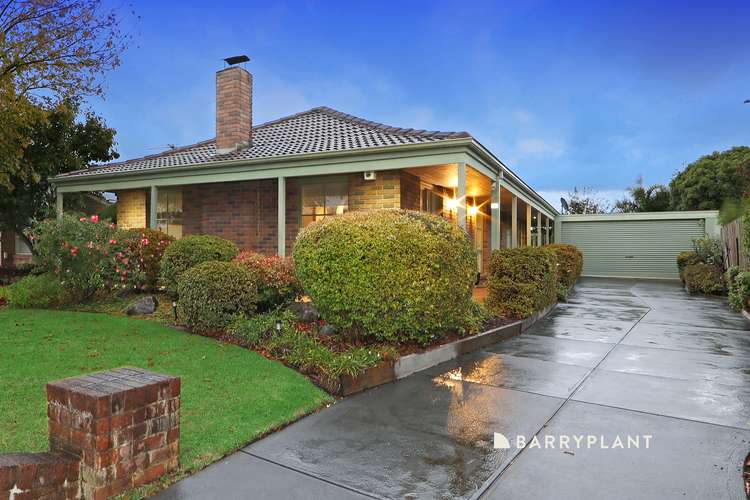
x,y
259,185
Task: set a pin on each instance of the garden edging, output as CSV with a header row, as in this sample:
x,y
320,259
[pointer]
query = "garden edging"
x,y
390,371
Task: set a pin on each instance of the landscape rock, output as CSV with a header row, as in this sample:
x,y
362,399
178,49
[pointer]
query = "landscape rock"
x,y
145,305
305,311
328,330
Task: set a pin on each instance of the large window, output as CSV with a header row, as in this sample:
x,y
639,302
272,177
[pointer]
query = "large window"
x,y
432,202
169,212
324,199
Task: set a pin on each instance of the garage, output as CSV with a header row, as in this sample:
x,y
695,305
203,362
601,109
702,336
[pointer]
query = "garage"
x,y
637,245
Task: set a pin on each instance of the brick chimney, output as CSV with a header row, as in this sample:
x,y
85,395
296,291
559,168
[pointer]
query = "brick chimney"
x,y
234,109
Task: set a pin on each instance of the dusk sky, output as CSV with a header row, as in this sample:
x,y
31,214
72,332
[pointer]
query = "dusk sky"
x,y
565,93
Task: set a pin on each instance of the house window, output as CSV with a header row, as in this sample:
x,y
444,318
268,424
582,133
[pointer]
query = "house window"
x,y
169,212
432,202
21,247
324,199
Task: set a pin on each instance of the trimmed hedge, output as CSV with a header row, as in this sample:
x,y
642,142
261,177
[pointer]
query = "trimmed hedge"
x,y
703,278
521,281
569,266
394,275
212,293
191,251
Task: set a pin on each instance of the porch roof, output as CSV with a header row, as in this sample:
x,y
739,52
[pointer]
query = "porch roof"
x,y
318,130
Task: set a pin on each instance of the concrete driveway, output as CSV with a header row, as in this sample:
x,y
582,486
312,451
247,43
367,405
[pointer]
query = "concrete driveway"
x,y
621,360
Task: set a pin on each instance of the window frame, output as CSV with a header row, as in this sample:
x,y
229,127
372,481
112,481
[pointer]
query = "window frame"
x,y
326,180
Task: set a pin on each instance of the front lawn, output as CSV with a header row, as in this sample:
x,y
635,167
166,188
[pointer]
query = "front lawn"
x,y
230,395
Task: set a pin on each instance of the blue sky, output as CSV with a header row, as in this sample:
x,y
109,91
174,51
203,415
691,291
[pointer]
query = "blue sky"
x,y
565,93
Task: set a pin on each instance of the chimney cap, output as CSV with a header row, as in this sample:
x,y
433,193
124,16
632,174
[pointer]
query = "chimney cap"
x,y
236,60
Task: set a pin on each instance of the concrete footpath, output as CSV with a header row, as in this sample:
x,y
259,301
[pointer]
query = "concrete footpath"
x,y
621,360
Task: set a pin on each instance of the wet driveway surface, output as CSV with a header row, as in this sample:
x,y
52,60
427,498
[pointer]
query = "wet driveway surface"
x,y
621,360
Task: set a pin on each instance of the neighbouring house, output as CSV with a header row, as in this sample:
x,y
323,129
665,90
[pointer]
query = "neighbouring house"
x,y
258,185
14,251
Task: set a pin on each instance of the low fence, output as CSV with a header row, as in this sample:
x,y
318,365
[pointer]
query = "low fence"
x,y
735,254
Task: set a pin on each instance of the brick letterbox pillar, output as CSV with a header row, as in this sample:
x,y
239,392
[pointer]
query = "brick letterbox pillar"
x,y
123,424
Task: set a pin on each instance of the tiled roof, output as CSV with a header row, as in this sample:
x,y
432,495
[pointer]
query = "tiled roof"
x,y
318,130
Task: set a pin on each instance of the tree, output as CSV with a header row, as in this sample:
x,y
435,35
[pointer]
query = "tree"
x,y
50,51
711,180
585,201
60,143
641,198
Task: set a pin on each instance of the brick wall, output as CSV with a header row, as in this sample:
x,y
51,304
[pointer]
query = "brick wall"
x,y
410,191
243,212
123,425
39,475
383,192
132,209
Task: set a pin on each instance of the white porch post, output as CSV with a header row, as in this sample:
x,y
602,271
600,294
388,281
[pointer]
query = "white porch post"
x,y
546,230
495,211
514,221
152,207
59,205
281,222
461,195
538,228
528,225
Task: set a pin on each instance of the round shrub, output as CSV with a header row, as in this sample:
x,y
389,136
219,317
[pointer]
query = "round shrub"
x,y
148,246
191,251
569,264
738,283
393,275
703,278
279,282
522,281
212,293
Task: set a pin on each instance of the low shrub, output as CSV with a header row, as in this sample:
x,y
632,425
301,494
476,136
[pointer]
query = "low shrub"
x,y
87,255
685,259
394,275
709,251
212,293
569,267
703,278
738,285
148,246
303,350
36,291
521,281
191,251
279,286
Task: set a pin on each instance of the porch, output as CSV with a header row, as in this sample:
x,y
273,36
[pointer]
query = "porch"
x,y
264,213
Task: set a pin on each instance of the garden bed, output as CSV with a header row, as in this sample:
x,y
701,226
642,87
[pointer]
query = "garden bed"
x,y
392,370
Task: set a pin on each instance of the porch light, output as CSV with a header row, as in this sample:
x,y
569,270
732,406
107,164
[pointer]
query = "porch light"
x,y
451,203
473,211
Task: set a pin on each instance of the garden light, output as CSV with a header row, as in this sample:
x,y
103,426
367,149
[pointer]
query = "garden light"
x,y
277,326
174,309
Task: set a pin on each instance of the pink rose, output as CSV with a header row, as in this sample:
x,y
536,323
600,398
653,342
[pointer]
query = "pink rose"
x,y
82,219
94,218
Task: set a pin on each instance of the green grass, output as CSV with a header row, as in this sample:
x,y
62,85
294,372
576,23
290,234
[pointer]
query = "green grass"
x,y
229,395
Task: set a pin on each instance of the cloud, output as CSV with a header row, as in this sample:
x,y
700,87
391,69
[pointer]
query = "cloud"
x,y
541,148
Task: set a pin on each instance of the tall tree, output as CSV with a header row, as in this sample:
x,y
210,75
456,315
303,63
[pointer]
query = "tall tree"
x,y
50,50
59,143
585,201
711,180
642,198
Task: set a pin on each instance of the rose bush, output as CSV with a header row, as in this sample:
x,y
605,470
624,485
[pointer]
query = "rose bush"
x,y
279,283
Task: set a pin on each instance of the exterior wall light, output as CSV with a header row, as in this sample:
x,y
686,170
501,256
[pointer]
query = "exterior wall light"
x,y
473,211
451,203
